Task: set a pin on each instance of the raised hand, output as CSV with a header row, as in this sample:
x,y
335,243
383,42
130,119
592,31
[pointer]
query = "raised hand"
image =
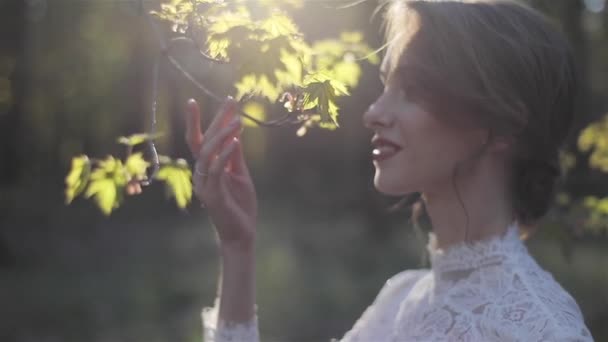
x,y
221,177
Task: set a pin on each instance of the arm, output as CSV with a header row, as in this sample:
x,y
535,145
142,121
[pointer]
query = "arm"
x,y
233,318
237,284
223,185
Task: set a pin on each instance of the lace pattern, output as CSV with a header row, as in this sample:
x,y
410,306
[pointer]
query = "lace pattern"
x,y
476,254
491,290
216,330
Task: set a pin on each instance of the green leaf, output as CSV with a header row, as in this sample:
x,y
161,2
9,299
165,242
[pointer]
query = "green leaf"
x,y
587,138
594,139
352,37
106,183
320,92
77,178
327,52
227,20
137,139
263,58
590,201
177,177
136,166
274,3
105,192
105,167
256,110
293,72
347,73
278,24
218,48
602,206
256,85
111,168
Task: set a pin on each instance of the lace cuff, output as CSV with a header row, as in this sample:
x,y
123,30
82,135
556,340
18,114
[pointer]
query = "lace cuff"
x,y
216,330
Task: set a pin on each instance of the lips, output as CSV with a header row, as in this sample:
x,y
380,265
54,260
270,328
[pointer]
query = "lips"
x,y
384,148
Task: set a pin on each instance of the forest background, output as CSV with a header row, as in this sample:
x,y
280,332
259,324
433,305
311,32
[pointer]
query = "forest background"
x,y
76,74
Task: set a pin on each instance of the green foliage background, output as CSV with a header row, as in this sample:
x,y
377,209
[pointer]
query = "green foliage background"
x,y
75,75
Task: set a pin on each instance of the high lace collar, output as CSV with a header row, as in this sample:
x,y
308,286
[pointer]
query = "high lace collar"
x,y
472,255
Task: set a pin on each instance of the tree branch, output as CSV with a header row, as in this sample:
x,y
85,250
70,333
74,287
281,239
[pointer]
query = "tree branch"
x,y
165,49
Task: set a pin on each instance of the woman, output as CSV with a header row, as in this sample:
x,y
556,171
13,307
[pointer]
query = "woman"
x,y
478,98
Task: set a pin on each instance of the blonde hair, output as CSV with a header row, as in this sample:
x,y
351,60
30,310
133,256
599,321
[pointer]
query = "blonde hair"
x,y
497,64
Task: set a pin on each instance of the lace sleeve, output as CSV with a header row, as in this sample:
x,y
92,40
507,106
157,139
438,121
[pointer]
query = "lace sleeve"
x,y
216,330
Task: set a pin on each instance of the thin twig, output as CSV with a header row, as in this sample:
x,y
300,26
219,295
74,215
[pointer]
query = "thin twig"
x,y
282,121
200,51
151,145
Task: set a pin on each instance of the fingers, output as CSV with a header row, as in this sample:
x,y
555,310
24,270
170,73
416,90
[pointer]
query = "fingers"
x,y
215,143
225,114
194,135
222,129
133,187
219,164
212,184
237,159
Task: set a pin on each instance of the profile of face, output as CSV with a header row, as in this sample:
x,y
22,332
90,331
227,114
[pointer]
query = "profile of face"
x,y
413,149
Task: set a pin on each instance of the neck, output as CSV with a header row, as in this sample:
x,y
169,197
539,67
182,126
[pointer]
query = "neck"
x,y
484,197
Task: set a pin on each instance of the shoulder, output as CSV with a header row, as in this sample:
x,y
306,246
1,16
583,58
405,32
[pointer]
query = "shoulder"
x,y
377,320
407,277
397,287
402,281
537,307
554,303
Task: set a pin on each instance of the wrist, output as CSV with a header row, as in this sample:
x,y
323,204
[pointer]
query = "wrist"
x,y
238,249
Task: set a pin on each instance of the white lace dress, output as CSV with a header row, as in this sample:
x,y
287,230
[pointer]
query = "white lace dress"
x,y
491,290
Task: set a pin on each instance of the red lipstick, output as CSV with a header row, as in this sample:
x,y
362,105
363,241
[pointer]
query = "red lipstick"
x,y
384,148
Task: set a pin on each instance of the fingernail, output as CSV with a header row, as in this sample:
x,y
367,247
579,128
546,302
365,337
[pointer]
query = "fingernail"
x,y
190,105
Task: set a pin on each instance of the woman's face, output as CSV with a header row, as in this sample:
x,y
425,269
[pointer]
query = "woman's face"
x,y
413,151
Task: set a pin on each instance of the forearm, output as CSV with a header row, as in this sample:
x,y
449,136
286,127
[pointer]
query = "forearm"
x,y
237,283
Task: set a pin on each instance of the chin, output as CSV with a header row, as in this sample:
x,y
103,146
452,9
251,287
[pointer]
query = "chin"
x,y
392,187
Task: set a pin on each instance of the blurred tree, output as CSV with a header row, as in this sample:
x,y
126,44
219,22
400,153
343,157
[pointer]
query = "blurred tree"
x,y
13,66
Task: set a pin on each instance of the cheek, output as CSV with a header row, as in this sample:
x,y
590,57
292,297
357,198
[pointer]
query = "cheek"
x,y
436,149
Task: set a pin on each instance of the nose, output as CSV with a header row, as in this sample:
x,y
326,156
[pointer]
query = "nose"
x,y
377,116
